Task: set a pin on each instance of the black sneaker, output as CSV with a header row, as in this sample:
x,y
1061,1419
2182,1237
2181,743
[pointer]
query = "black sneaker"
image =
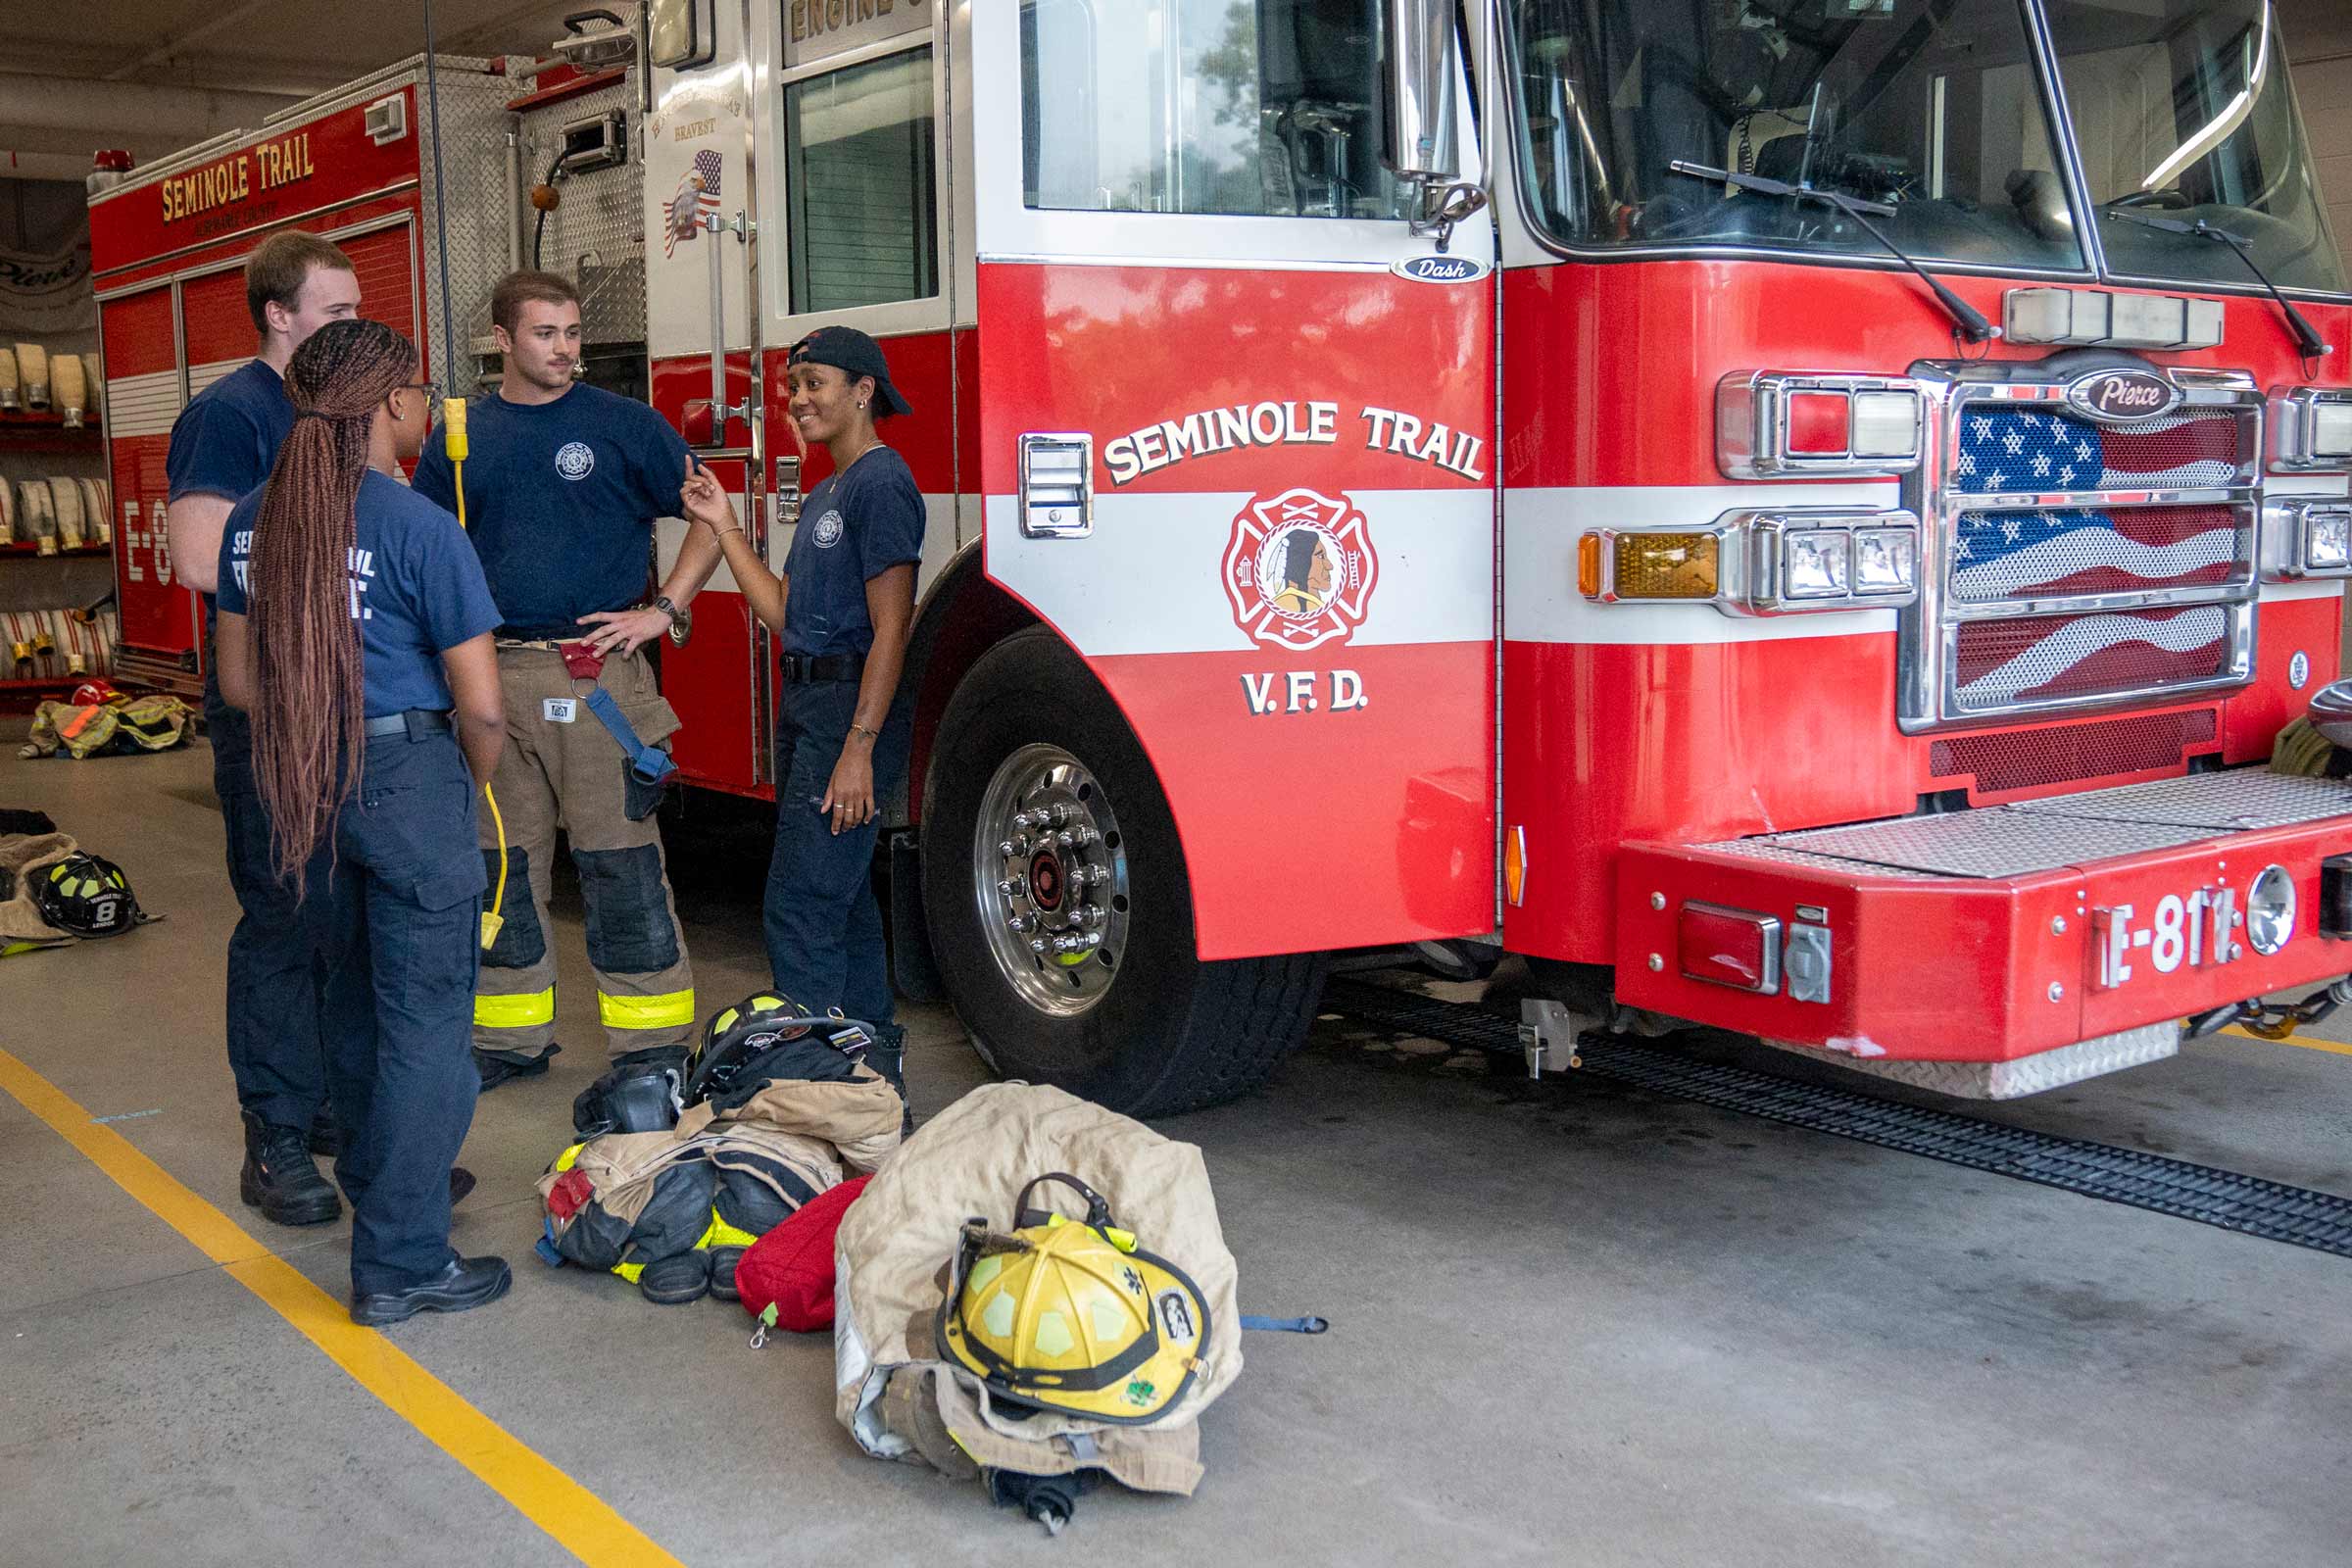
x,y
497,1067
675,1281
467,1283
279,1180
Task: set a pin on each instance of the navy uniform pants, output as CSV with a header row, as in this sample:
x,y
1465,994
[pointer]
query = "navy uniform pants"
x,y
395,917
824,929
274,980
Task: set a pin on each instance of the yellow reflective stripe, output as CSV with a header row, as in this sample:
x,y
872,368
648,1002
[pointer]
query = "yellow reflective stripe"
x,y
723,1234
669,1011
519,1010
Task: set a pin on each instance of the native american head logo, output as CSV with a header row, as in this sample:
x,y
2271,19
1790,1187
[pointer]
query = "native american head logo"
x,y
1300,569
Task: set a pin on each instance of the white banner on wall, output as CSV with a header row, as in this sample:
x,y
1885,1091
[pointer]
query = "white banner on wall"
x,y
44,297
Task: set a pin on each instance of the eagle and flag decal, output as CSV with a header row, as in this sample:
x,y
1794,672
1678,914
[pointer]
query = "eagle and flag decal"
x,y
697,194
2011,553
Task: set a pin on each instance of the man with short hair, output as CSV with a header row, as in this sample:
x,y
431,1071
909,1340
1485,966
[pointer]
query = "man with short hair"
x,y
224,445
561,485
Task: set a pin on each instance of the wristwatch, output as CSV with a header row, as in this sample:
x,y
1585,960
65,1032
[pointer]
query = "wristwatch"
x,y
681,621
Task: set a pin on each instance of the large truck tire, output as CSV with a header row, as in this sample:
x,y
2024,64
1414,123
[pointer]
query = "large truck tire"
x,y
1059,909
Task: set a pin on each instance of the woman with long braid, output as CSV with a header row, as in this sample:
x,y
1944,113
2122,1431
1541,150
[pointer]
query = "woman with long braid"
x,y
353,620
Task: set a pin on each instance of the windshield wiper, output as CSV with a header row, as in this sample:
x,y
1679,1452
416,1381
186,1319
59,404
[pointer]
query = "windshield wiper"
x,y
2307,337
1967,319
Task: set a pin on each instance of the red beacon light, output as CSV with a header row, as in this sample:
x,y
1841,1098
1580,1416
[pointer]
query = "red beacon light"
x,y
1775,424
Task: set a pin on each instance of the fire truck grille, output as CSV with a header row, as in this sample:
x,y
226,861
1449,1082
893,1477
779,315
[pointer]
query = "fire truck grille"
x,y
2000,664
2074,565
2068,552
2003,762
2012,450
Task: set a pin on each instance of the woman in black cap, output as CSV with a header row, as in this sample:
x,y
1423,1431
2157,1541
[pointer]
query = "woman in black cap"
x,y
841,610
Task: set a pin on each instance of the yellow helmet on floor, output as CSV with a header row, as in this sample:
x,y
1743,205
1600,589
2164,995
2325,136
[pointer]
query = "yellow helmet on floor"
x,y
1073,1317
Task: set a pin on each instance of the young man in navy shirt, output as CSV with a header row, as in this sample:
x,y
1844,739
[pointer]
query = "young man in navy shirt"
x,y
222,447
561,487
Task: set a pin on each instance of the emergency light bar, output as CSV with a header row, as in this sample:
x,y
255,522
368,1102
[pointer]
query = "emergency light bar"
x,y
1759,562
2311,430
1776,425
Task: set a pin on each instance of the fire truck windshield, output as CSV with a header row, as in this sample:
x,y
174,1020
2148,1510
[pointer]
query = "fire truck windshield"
x,y
1235,107
1932,106
2183,111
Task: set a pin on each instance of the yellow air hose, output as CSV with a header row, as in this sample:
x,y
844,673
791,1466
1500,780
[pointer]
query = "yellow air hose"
x,y
453,441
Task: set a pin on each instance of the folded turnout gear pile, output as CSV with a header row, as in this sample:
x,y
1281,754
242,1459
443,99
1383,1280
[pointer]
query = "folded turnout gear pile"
x,y
2319,743
1033,1291
773,1108
109,725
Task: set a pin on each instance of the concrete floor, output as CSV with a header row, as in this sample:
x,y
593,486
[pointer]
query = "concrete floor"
x,y
1572,1324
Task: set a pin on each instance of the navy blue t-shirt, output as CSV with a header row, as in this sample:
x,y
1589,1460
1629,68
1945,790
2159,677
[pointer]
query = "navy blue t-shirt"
x,y
225,444
561,500
415,591
855,525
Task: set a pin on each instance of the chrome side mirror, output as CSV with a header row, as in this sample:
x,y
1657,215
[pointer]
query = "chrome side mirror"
x,y
1418,69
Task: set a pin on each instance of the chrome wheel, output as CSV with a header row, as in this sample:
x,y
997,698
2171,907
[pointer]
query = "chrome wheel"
x,y
1049,880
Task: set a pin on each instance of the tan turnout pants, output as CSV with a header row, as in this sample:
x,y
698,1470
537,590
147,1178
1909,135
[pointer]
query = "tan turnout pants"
x,y
567,773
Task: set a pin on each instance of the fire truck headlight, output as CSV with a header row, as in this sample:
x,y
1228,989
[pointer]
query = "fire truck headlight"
x,y
1885,425
1814,564
1885,561
2271,909
2327,539
2331,429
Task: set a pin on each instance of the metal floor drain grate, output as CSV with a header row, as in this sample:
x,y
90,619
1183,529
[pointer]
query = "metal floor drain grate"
x,y
2274,1210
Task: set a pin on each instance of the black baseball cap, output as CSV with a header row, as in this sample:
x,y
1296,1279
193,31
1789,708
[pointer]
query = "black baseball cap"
x,y
851,351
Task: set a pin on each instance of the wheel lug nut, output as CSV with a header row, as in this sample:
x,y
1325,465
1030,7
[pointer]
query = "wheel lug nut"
x,y
1037,944
1012,887
1021,819
1021,922
1082,836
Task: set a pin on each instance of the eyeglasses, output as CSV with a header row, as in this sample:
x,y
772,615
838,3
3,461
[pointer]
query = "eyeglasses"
x,y
430,389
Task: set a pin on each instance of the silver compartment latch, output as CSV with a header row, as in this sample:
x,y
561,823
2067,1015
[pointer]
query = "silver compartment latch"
x,y
1057,485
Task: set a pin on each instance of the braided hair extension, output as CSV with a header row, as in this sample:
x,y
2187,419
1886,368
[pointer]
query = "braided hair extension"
x,y
308,744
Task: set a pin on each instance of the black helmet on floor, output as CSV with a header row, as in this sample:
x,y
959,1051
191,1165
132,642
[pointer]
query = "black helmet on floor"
x,y
769,1036
85,895
642,1094
737,1034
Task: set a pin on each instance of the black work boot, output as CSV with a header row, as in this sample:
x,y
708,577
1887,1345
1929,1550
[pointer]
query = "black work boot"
x,y
501,1067
280,1179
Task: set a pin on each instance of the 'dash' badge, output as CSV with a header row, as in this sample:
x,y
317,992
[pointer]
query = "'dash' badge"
x,y
1300,569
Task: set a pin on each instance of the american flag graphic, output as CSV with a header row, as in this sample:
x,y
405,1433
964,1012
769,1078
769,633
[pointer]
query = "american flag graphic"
x,y
698,193
2027,553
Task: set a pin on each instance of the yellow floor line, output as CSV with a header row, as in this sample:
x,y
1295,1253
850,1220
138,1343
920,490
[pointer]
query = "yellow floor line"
x,y
2335,1046
582,1522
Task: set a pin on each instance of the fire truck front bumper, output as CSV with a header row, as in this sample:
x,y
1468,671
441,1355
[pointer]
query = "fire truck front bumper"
x,y
2004,949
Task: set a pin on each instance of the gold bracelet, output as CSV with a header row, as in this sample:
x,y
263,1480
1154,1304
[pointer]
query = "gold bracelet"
x,y
860,729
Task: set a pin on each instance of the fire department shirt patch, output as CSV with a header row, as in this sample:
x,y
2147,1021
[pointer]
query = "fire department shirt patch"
x,y
575,459
1300,569
828,530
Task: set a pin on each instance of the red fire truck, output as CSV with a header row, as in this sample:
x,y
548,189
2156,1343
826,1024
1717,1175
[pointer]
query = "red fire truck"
x,y
1801,516
1798,516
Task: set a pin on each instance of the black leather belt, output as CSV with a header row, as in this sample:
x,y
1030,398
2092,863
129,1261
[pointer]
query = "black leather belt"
x,y
415,724
800,670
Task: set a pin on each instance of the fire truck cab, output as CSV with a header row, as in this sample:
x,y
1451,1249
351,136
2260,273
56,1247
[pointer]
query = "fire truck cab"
x,y
1798,516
